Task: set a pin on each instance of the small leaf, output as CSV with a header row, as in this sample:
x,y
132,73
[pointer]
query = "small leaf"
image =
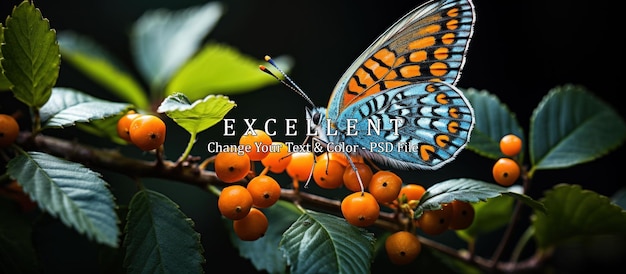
x,y
74,193
572,126
322,243
105,128
67,107
200,115
159,237
468,190
220,69
493,121
17,253
263,253
163,40
102,67
31,55
575,212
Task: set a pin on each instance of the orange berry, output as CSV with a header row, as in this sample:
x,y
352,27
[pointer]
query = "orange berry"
x,y
510,145
435,222
251,227
505,171
259,144
402,247
234,202
147,132
350,179
385,186
231,167
123,124
328,173
411,192
277,161
9,129
340,157
300,166
360,209
265,191
462,215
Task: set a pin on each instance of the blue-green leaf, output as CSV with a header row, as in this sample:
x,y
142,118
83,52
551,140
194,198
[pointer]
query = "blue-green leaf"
x,y
468,190
264,253
322,243
70,191
572,126
221,69
31,55
67,107
102,67
159,237
493,121
163,40
575,212
198,116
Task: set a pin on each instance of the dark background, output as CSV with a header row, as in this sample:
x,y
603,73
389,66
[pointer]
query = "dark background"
x,y
520,50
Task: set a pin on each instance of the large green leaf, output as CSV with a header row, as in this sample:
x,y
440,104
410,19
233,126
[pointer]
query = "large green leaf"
x,y
198,116
67,107
575,212
17,254
31,55
74,193
102,67
159,237
4,82
163,40
493,121
322,243
221,69
571,126
264,253
468,190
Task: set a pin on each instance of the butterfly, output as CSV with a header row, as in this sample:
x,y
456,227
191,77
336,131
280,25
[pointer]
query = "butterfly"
x,y
400,92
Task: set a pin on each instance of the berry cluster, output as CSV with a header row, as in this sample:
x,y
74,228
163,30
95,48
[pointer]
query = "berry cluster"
x,y
506,170
145,131
369,188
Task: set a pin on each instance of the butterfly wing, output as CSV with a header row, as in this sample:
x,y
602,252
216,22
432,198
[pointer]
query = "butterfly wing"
x,y
427,44
427,125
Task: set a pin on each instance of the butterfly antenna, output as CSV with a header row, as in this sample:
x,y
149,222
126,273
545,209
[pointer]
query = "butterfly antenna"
x,y
290,83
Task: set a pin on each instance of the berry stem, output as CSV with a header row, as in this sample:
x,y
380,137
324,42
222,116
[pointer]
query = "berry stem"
x,y
192,141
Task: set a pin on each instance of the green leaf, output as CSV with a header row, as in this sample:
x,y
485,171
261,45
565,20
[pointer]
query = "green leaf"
x,y
31,55
67,107
159,237
74,193
575,212
488,216
200,115
221,69
163,40
264,253
17,254
4,82
493,121
468,190
571,126
105,128
102,67
323,243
